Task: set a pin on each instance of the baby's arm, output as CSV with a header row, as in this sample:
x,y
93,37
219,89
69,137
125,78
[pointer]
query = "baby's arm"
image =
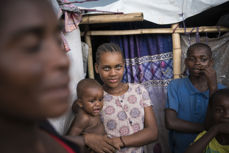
x,y
144,136
174,123
200,145
79,123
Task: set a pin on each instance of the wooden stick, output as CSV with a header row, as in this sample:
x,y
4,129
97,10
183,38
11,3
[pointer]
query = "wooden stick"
x,y
112,18
176,53
155,31
90,58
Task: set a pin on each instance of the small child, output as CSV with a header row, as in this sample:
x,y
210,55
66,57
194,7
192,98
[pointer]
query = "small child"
x,y
216,138
187,99
87,109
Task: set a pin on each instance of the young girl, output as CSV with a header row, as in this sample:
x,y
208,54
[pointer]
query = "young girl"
x,y
127,113
216,138
187,99
33,77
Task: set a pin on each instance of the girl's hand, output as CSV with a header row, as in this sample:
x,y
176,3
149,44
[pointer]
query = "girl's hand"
x,y
99,143
117,142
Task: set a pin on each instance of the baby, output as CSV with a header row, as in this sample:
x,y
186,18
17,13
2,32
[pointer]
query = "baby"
x,y
87,109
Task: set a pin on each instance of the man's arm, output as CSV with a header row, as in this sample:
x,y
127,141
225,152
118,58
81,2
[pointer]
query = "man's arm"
x,y
79,123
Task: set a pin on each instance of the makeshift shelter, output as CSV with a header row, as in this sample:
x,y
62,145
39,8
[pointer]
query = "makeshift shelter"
x,y
154,53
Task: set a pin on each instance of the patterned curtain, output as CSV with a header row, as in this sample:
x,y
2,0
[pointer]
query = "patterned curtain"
x,y
148,60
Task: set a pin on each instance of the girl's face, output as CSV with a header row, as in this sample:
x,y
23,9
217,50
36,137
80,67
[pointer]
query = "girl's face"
x,y
33,66
110,69
220,110
197,61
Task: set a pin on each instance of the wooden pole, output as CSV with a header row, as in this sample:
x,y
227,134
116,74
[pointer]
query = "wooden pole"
x,y
176,53
112,18
155,31
90,57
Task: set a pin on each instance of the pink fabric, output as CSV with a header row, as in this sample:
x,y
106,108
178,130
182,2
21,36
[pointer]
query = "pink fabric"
x,y
124,115
65,43
72,21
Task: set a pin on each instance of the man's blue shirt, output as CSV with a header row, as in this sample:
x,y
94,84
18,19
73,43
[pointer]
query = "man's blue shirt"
x,y
190,105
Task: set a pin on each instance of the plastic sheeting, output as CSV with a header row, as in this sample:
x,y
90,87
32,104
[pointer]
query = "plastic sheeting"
x,y
160,11
85,49
62,123
75,55
220,50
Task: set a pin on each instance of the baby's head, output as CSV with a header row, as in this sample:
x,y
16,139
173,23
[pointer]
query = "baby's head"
x,y
199,57
90,96
219,107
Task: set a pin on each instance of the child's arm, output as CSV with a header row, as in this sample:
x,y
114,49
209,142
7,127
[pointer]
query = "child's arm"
x,y
200,145
79,123
210,74
174,123
144,136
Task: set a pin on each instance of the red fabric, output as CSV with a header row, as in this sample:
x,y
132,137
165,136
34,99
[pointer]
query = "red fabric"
x,y
69,150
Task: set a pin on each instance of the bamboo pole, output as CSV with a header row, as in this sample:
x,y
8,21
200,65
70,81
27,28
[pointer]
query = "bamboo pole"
x,y
112,18
90,58
176,53
129,32
156,31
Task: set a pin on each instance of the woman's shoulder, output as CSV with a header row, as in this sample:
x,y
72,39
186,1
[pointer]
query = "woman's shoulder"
x,y
49,129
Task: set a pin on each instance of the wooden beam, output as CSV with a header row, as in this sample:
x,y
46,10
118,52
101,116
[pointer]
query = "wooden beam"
x,y
176,53
155,31
90,57
112,18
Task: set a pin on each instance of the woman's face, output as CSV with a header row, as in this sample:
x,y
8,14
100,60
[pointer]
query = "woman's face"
x,y
110,69
33,66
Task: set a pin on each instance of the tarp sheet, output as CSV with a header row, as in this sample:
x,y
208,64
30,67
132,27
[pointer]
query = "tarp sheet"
x,y
220,50
156,11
